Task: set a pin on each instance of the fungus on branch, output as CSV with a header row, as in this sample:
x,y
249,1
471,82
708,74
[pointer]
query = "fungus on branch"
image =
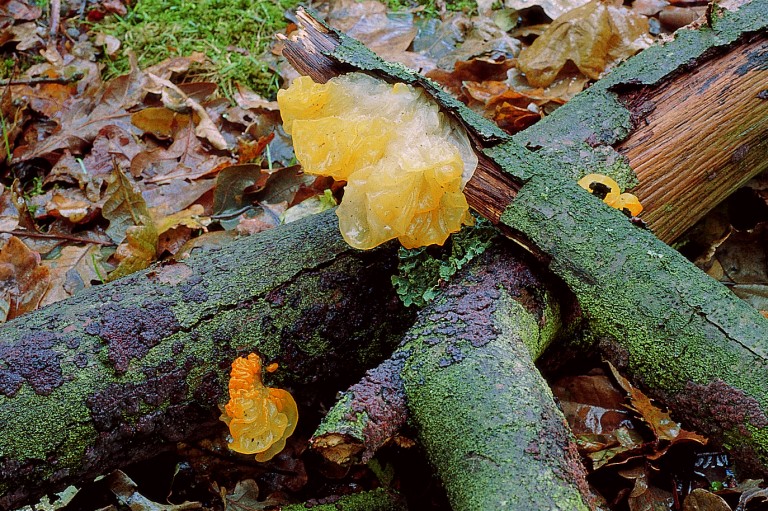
x,y
260,419
405,162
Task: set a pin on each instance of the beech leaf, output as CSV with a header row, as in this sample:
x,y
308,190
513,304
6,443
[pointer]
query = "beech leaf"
x,y
73,270
593,37
138,252
124,207
23,280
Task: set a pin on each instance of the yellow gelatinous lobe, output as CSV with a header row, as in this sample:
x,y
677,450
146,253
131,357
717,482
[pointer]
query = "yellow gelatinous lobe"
x,y
404,161
608,190
260,419
629,204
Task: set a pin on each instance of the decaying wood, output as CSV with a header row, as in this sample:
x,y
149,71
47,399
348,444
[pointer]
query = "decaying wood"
x,y
669,322
687,163
483,412
121,372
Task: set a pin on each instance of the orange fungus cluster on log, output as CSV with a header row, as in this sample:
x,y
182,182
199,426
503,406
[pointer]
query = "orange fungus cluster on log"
x,y
260,419
608,190
405,162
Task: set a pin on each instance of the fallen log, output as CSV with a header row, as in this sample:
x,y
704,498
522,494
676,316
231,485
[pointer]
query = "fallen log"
x,y
61,426
633,289
120,372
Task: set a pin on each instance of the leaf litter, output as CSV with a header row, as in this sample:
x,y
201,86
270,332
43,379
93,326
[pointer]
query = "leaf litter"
x,y
103,177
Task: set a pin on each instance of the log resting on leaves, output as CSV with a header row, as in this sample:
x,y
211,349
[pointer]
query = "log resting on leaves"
x,y
676,331
483,412
115,374
120,372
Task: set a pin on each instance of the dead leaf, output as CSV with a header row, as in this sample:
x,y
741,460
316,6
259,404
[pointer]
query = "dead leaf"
x,y
191,217
249,100
174,98
72,209
23,280
81,118
594,37
127,493
387,34
186,158
16,10
71,271
110,43
9,214
703,500
137,253
659,421
124,207
553,8
161,122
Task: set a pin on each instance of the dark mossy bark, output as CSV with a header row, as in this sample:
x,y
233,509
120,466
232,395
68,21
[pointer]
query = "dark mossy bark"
x,y
124,370
485,415
465,375
376,500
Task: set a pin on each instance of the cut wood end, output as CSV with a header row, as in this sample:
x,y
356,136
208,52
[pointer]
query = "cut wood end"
x,y
337,448
307,48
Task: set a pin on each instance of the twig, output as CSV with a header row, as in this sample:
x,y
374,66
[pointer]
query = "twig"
x,y
55,16
56,236
43,79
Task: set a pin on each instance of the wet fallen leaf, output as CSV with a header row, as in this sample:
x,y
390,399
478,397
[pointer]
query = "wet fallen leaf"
x,y
73,210
23,280
81,118
229,199
309,207
703,500
186,158
138,251
645,496
387,34
73,270
175,99
191,217
659,421
594,37
127,494
159,121
553,8
9,214
124,207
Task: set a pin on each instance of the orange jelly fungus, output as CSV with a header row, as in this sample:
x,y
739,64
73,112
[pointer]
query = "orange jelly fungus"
x,y
404,161
607,189
260,419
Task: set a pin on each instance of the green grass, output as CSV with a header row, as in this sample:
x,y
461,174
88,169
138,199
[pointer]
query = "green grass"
x,y
233,34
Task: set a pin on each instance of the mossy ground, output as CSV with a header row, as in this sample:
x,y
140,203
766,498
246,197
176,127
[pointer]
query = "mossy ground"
x,y
233,34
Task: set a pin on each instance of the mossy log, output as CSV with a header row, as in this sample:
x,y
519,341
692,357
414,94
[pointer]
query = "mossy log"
x,y
486,417
375,500
120,372
483,412
676,331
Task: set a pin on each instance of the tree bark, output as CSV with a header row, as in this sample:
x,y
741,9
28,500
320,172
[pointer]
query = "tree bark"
x,y
125,370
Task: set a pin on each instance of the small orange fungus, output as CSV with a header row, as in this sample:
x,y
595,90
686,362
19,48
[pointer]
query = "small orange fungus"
x,y
404,161
260,419
608,190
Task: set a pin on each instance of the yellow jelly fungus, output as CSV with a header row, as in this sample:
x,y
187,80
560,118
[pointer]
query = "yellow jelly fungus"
x,y
405,162
260,419
628,203
608,190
